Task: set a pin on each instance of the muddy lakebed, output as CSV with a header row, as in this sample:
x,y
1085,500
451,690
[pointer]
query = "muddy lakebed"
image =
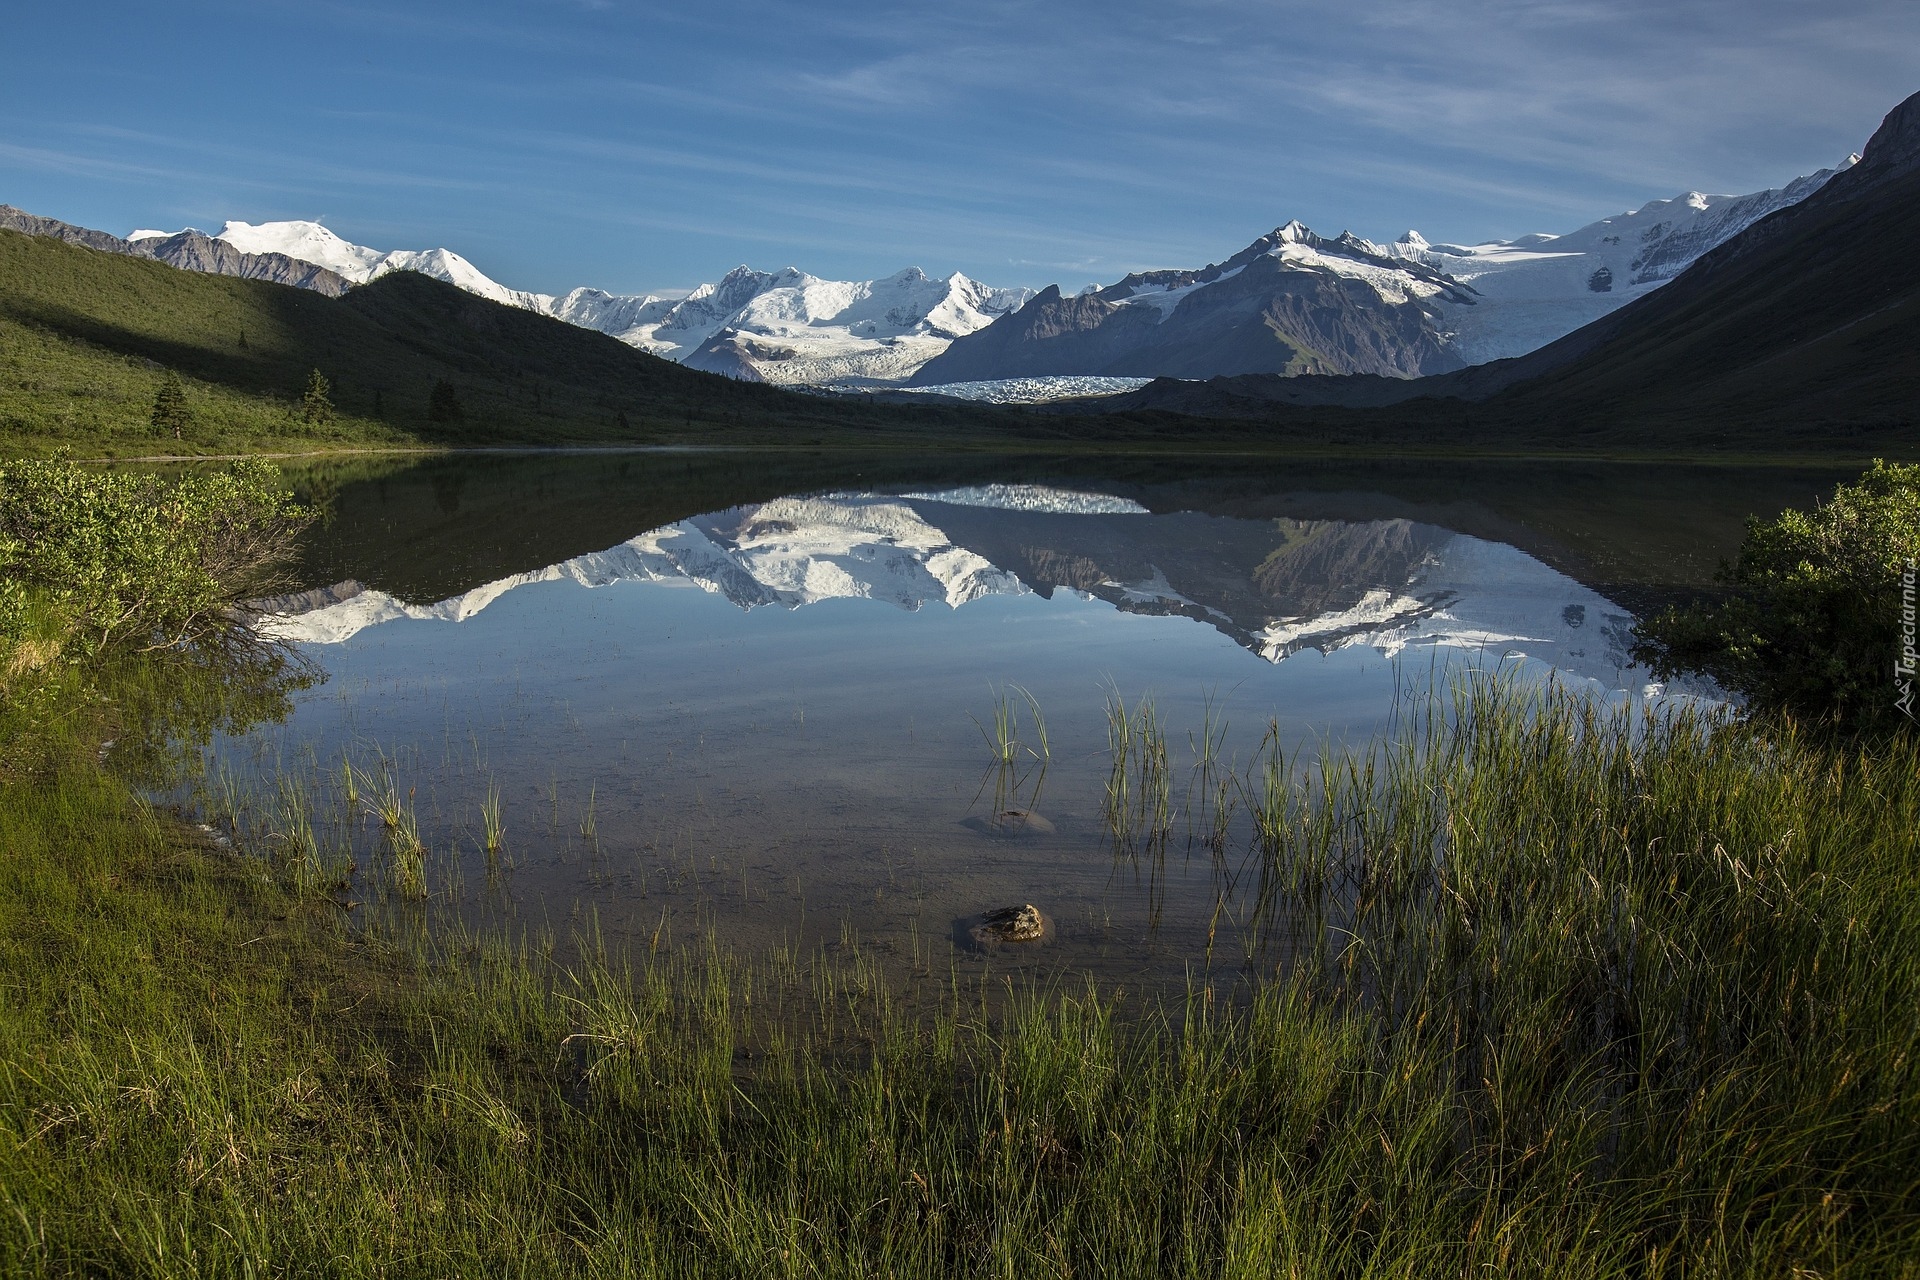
x,y
809,701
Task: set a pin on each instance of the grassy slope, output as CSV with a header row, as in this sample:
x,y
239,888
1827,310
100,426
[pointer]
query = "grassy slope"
x,y
85,335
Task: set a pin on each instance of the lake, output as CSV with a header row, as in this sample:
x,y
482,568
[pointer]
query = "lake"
x,y
817,701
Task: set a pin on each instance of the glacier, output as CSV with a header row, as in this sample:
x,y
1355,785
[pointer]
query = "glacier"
x,y
1024,390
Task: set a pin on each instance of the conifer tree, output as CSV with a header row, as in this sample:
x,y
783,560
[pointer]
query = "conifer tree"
x,y
171,416
444,404
316,405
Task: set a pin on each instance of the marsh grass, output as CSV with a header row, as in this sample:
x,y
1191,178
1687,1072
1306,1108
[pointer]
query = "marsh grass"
x,y
1573,991
589,818
1017,773
493,827
408,872
1137,805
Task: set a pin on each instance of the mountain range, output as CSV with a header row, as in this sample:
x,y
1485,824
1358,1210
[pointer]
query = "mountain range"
x,y
1292,302
760,326
1802,329
1296,303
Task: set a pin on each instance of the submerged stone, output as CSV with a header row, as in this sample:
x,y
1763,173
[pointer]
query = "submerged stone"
x,y
1020,822
1009,823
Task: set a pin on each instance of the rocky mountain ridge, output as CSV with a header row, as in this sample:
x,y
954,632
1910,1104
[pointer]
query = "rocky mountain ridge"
x,y
188,250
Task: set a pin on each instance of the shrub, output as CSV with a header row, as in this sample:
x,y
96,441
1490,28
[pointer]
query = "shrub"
x,y
1813,625
111,558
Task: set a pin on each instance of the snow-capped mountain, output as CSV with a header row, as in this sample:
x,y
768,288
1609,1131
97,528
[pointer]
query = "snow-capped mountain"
x,y
311,242
1294,302
790,327
781,326
1538,288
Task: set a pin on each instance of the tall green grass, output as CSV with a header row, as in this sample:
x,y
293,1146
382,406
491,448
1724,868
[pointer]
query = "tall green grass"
x,y
1570,991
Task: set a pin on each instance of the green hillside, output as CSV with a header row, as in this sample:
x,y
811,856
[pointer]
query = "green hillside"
x,y
87,337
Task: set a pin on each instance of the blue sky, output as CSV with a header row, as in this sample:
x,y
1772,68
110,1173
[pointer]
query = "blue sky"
x,y
640,146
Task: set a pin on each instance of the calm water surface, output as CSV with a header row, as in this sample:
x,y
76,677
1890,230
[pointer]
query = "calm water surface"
x,y
757,696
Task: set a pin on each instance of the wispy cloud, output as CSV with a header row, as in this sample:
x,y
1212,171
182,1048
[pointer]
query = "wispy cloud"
x,y
623,142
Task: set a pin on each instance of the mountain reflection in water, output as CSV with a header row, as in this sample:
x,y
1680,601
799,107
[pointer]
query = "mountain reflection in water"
x,y
1276,586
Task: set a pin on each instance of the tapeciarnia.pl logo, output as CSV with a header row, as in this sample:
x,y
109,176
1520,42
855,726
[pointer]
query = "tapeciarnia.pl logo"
x,y
1903,666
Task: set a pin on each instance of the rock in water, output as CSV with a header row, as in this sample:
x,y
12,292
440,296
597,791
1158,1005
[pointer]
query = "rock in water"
x,y
1022,924
1021,822
1008,824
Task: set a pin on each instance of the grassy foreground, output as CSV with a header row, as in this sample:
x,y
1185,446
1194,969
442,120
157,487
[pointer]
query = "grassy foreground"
x,y
1578,994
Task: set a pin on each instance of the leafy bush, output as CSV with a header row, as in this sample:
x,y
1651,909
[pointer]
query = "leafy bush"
x,y
1813,626
104,559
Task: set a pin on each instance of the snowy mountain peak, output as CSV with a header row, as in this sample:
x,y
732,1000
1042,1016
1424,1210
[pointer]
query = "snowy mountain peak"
x,y
308,242
1295,232
1539,287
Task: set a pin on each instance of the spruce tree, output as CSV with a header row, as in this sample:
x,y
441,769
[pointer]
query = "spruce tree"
x,y
171,416
316,407
444,404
